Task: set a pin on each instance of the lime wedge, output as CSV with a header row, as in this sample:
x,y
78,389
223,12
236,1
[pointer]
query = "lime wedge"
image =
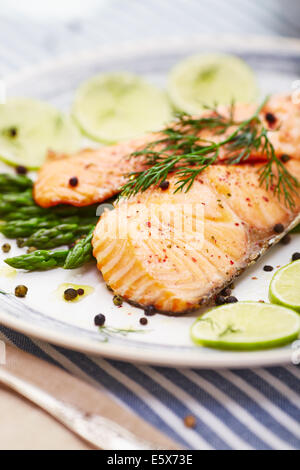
x,y
285,286
246,326
28,129
204,80
117,106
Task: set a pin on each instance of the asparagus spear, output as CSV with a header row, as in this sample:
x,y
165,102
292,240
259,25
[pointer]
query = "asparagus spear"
x,y
24,213
46,228
18,199
9,212
24,228
64,211
38,260
5,208
13,183
62,234
44,259
81,254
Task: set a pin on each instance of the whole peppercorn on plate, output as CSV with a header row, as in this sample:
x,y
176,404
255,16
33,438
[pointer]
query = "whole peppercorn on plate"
x,y
62,298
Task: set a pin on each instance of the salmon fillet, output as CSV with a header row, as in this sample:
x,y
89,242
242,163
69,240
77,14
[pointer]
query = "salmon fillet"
x,y
228,218
100,173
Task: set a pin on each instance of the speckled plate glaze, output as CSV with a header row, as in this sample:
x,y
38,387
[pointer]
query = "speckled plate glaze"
x,y
165,340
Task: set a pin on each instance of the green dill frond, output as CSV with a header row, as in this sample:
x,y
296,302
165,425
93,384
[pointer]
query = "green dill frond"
x,y
181,151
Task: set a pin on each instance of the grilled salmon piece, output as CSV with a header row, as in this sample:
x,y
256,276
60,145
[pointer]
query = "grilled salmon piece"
x,y
238,185
100,173
176,251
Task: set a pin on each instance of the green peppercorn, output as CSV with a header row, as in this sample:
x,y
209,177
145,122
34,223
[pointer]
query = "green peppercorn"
x,y
6,248
20,242
117,300
70,294
31,249
21,291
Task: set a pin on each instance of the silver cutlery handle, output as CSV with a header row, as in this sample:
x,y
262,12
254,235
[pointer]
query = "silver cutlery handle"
x,y
101,432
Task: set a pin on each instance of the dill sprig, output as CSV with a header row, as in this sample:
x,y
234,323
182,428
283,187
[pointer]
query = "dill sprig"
x,y
111,331
182,151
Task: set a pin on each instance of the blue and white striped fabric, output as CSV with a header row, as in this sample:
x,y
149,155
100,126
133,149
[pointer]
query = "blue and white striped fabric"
x,y
240,409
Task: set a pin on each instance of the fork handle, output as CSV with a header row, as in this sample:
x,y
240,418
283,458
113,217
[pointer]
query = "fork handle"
x,y
100,432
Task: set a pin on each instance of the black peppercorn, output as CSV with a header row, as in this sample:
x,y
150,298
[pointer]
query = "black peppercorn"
x,y
143,321
149,310
80,291
278,228
99,319
296,257
70,294
268,268
164,185
220,300
21,170
231,300
226,292
286,240
285,158
73,181
270,118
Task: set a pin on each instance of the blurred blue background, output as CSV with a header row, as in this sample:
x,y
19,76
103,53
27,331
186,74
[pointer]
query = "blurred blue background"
x,y
33,30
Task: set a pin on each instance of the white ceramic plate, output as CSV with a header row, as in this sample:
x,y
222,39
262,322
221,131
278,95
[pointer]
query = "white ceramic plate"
x,y
165,340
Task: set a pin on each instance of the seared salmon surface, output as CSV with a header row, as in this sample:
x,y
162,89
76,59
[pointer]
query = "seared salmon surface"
x,y
92,176
98,175
229,220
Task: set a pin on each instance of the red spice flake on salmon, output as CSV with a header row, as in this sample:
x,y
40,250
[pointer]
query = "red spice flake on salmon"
x,y
103,171
197,268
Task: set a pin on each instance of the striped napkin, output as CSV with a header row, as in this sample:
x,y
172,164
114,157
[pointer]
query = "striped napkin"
x,y
233,409
237,409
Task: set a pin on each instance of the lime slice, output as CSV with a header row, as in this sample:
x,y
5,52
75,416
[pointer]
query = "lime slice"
x,y
117,106
28,129
285,286
204,80
246,326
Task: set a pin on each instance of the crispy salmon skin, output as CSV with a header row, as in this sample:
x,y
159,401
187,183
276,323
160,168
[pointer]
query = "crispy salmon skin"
x,y
98,174
229,220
